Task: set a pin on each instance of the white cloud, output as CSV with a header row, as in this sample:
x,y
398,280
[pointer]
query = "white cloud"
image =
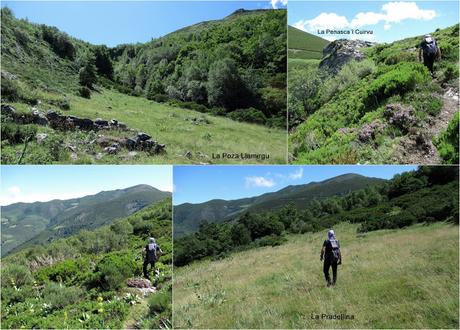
x,y
391,12
296,175
324,21
396,12
278,3
258,181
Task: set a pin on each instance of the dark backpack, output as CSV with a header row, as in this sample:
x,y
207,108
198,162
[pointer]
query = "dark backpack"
x,y
152,253
335,250
429,46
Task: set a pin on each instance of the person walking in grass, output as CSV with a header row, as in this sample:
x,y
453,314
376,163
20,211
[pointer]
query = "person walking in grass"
x,y
332,256
151,254
430,51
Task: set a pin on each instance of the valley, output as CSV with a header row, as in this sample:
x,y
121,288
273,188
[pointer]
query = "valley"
x,y
177,89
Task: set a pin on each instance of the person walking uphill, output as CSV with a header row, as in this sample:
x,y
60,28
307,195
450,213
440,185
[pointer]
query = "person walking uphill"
x,y
430,51
151,254
332,256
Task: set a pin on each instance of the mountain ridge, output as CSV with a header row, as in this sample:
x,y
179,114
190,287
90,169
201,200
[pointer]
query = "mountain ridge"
x,y
25,224
188,216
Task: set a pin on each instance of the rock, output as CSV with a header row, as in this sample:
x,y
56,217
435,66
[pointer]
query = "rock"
x,y
103,141
340,52
130,144
122,126
99,156
73,156
84,124
41,137
8,76
143,136
101,123
39,118
72,148
113,123
188,154
139,283
7,110
160,148
113,149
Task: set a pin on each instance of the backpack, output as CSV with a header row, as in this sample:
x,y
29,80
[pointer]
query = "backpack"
x,y
151,250
335,250
429,46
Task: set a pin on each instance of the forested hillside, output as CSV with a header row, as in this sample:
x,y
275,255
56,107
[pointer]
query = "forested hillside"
x,y
81,281
186,91
27,224
188,217
427,195
375,103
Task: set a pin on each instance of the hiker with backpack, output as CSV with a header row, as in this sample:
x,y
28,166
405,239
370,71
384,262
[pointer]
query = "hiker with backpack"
x,y
332,256
430,51
151,253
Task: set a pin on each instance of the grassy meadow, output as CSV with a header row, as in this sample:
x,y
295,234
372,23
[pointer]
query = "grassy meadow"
x,y
169,125
389,279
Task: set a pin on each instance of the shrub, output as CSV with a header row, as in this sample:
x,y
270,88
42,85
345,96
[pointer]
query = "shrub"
x,y
113,270
15,275
15,133
397,79
10,90
59,296
447,142
160,98
347,76
85,92
160,302
68,271
250,115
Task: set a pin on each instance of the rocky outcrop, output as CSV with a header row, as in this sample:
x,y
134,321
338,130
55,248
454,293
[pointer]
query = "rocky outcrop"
x,y
340,52
140,142
143,285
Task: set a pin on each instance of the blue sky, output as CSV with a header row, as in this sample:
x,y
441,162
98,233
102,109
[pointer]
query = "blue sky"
x,y
389,20
117,22
44,183
196,184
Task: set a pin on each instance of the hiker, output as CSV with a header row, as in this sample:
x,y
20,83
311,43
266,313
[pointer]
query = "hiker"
x,y
332,256
151,253
430,51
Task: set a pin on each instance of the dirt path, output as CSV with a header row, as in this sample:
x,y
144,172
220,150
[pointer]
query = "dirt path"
x,y
419,148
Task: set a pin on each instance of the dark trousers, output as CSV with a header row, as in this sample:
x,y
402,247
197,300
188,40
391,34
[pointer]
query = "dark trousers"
x,y
428,61
144,268
327,265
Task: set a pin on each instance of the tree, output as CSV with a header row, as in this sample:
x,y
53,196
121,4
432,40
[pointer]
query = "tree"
x,y
240,234
225,86
87,74
103,62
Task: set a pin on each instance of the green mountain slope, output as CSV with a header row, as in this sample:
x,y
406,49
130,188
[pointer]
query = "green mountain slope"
x,y
383,109
180,89
81,281
187,217
304,45
27,224
389,279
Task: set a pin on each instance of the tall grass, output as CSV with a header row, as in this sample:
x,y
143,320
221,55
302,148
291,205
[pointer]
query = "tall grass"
x,y
389,279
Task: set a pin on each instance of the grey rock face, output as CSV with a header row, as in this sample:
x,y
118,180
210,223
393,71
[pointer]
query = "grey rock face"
x,y
340,52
